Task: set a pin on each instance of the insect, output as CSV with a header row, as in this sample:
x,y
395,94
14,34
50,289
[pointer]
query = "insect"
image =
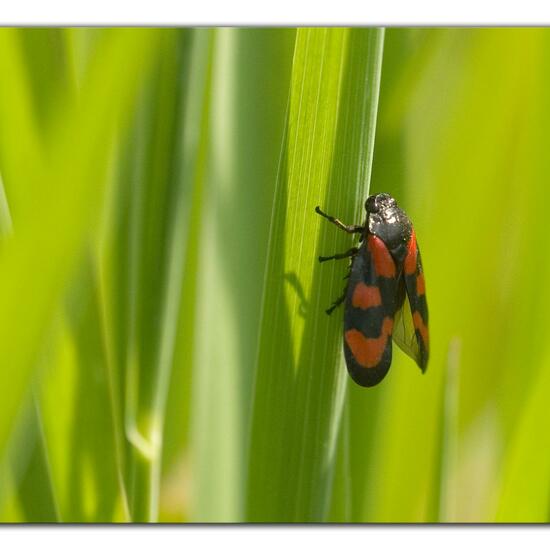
x,y
385,295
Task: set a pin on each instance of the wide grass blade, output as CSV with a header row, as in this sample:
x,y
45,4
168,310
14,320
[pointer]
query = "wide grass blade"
x,y
300,377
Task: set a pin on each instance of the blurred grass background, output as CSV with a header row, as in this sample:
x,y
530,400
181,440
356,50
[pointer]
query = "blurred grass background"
x,y
164,352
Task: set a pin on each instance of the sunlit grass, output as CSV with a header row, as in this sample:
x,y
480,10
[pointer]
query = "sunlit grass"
x,y
164,352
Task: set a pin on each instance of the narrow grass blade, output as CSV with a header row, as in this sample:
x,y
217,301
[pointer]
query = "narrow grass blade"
x,y
175,500
251,69
149,273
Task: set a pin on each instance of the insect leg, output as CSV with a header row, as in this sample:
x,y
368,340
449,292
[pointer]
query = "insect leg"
x,y
339,224
337,302
351,252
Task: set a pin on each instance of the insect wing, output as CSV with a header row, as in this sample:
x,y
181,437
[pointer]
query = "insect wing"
x,y
411,321
371,302
404,333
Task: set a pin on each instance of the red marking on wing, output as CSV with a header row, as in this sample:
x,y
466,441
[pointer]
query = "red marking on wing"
x,y
410,258
365,296
383,262
368,351
420,284
419,325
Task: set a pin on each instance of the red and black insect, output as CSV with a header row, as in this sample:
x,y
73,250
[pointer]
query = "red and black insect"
x,y
385,270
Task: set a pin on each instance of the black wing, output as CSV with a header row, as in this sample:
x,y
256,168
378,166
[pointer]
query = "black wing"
x,y
371,302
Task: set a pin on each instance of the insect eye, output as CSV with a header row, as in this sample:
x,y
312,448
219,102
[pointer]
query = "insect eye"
x,y
370,204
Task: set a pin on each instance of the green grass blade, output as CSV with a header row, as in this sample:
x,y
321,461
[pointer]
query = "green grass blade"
x,y
357,450
148,275
251,70
194,165
300,378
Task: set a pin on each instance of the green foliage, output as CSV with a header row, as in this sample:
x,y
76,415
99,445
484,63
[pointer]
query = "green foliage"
x,y
164,352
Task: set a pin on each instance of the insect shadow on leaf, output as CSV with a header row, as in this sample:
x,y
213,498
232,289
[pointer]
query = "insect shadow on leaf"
x,y
294,282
